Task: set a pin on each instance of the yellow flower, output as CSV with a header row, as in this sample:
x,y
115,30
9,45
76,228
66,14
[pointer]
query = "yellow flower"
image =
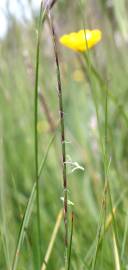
x,y
81,41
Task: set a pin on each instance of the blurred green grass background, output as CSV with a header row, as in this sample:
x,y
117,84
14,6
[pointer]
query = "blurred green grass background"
x,y
17,75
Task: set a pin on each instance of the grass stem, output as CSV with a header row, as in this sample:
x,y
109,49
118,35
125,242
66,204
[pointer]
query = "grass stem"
x,y
36,134
28,210
61,111
52,240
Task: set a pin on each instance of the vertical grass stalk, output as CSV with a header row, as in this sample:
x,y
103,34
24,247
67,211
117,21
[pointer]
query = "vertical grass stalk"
x,y
61,111
52,240
106,168
35,131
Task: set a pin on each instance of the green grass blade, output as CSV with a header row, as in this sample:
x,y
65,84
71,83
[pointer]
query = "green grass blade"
x,y
116,253
28,211
124,237
36,135
103,87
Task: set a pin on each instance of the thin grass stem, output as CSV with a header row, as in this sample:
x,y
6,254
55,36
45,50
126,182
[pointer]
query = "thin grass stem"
x,y
124,237
61,111
36,133
28,210
116,253
52,240
108,223
106,169
113,98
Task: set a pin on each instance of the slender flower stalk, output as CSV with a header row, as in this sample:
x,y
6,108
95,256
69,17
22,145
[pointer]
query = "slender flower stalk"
x,y
36,134
61,111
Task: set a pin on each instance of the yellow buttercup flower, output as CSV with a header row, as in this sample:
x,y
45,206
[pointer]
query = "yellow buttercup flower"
x,y
81,41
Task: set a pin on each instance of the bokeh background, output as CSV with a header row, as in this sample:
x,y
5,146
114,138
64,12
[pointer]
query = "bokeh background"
x,y
18,39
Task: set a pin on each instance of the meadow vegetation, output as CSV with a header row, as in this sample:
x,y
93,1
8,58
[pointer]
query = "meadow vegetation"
x,y
94,88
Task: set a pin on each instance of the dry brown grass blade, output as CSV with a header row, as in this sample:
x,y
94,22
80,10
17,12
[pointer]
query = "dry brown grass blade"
x,y
52,240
